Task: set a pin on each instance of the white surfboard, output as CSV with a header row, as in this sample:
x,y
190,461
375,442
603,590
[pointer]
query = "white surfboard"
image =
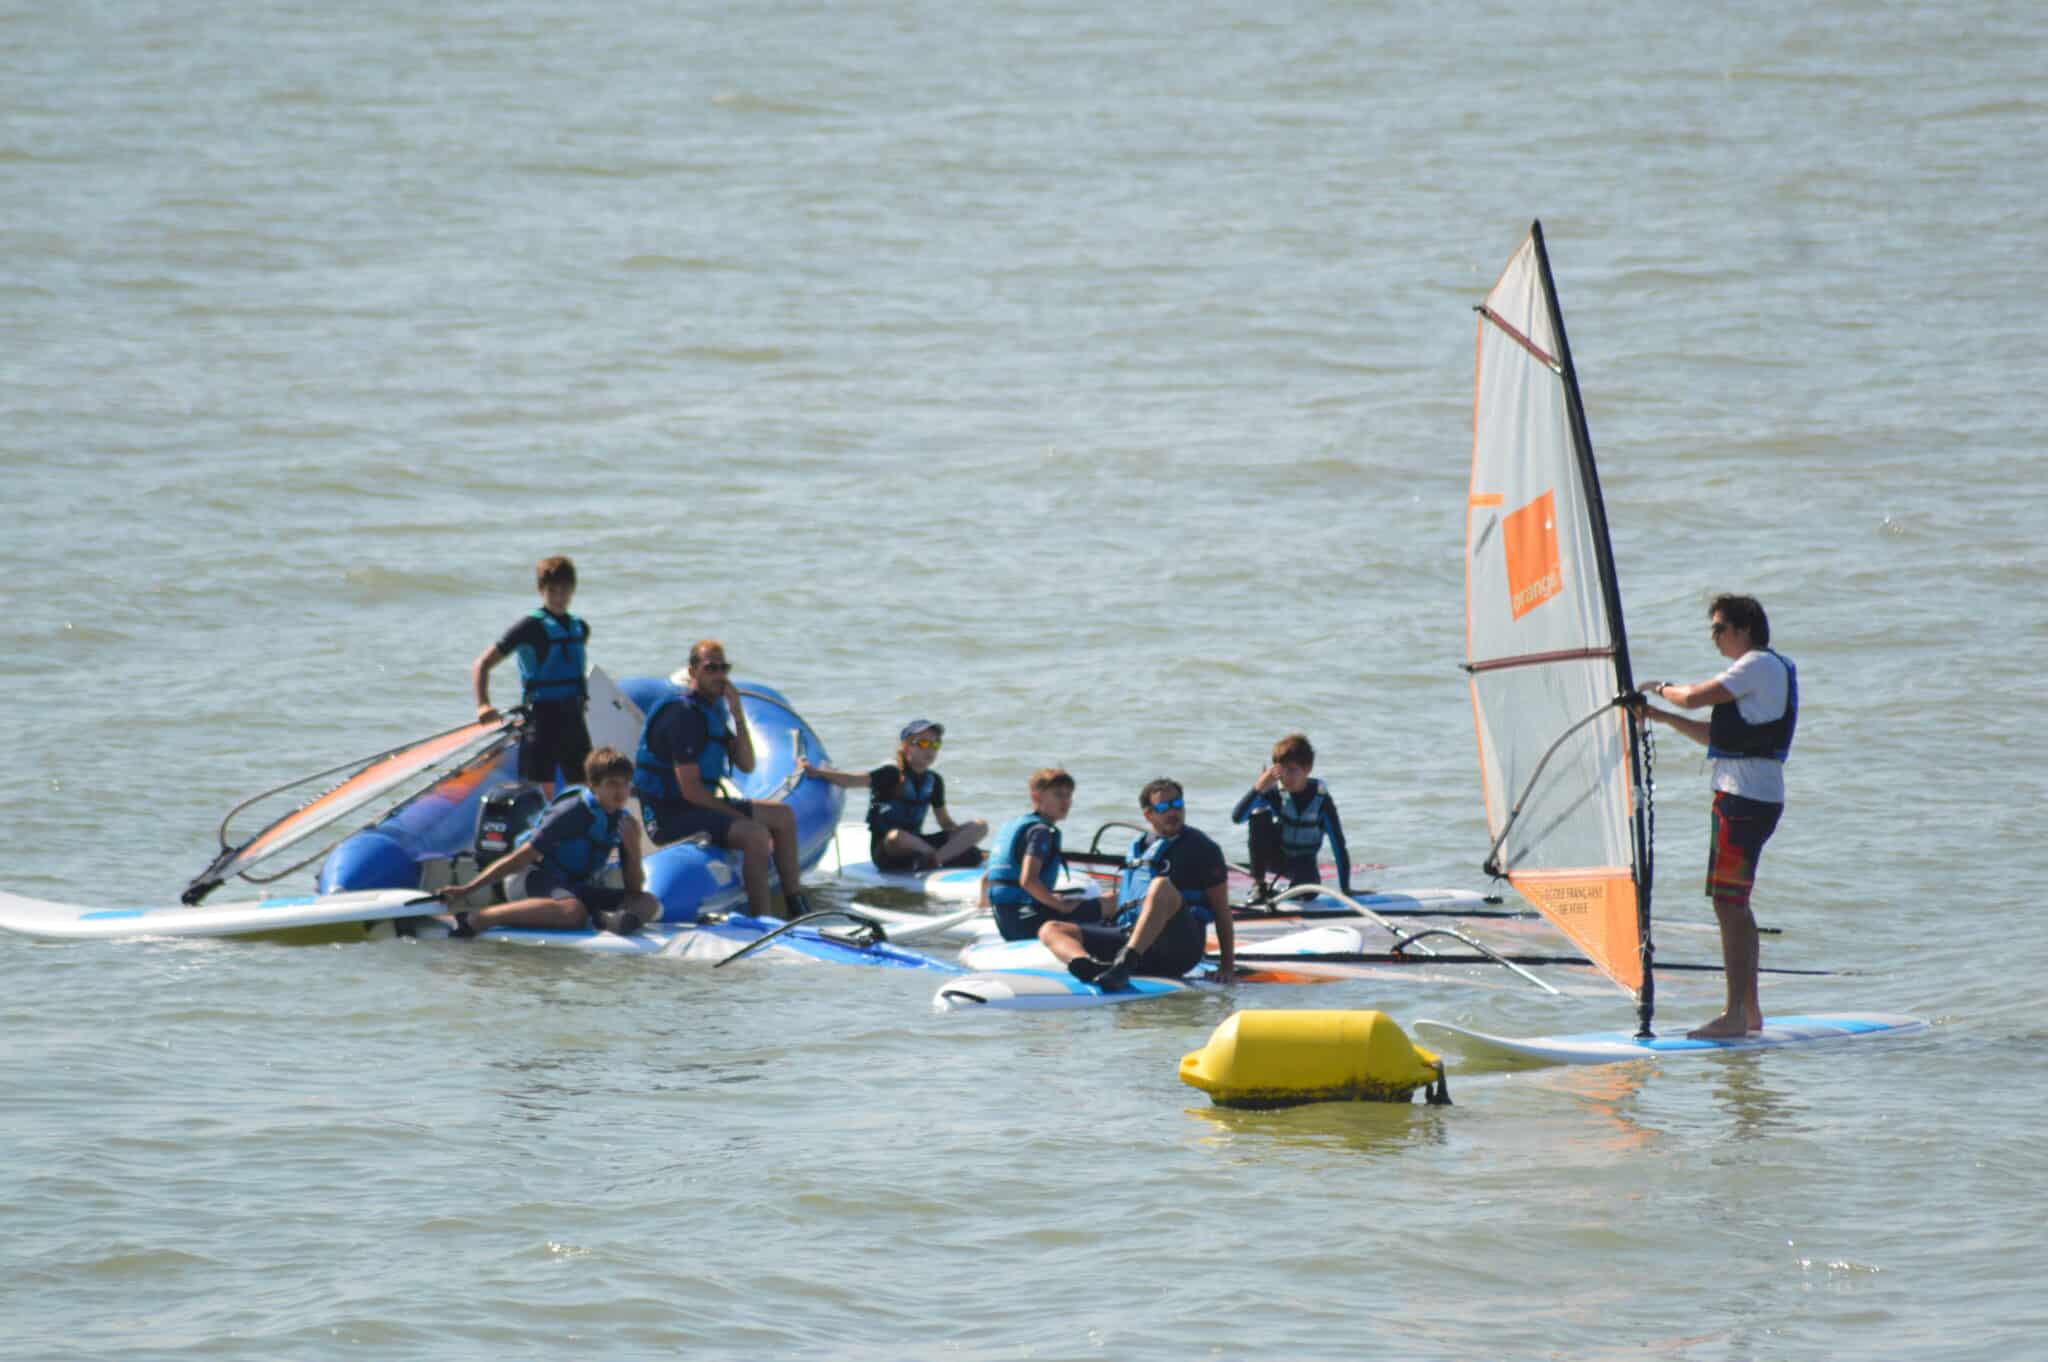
x,y
612,720
1035,990
73,921
1609,1047
961,884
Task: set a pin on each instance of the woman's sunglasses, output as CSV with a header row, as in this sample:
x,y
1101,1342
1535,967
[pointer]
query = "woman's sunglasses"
x,y
932,743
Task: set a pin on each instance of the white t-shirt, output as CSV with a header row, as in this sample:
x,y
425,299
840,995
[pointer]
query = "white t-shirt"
x,y
1761,687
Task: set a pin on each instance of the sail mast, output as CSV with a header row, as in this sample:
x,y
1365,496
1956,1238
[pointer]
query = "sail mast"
x,y
1610,590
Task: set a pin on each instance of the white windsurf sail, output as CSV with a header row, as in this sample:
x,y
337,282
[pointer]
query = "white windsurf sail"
x,y
1560,758
367,780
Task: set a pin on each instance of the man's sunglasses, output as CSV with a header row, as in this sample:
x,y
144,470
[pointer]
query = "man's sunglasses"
x,y
1169,805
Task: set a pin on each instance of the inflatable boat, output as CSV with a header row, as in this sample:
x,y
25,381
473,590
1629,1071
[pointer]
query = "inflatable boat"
x,y
473,815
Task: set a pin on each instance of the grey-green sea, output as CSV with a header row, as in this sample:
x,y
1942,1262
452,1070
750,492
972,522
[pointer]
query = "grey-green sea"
x,y
1095,380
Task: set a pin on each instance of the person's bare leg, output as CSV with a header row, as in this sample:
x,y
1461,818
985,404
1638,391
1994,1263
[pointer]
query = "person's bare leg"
x,y
909,846
962,837
1740,952
1063,939
755,847
552,914
780,822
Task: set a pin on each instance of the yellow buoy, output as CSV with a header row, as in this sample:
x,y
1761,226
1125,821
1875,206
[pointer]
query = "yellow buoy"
x,y
1283,1059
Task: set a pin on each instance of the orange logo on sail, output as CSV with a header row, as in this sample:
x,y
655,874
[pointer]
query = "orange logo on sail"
x,y
1529,537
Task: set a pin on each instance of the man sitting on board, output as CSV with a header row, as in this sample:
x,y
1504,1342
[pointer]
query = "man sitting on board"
x,y
1173,886
1756,708
549,644
686,746
1025,864
568,851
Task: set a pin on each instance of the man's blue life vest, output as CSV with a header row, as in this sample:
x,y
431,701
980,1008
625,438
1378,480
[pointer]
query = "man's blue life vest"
x,y
1142,865
1006,864
557,674
654,778
578,860
907,807
1730,735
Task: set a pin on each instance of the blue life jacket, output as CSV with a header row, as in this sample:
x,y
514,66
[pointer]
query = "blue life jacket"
x,y
557,674
1006,864
907,807
1142,865
578,860
654,779
1301,827
1730,735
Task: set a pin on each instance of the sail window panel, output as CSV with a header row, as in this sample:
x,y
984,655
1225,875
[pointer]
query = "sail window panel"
x,y
1576,812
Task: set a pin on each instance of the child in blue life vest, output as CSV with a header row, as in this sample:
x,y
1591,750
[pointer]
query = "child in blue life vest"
x,y
1024,864
1291,815
568,852
899,795
550,645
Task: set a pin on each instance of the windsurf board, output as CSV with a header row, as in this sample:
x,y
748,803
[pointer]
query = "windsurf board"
x,y
1609,1047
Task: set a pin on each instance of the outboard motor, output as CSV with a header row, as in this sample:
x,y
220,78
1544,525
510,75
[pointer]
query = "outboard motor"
x,y
503,815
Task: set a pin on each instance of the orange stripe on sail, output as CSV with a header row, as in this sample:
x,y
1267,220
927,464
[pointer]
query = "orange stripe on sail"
x,y
1596,908
1484,499
392,768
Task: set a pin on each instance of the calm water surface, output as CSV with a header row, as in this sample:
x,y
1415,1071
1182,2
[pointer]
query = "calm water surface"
x,y
1099,384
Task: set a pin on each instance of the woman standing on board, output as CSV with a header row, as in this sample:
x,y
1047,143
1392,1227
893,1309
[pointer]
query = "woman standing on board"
x,y
1756,708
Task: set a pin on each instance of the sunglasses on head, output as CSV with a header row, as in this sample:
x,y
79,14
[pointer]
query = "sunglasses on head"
x,y
1169,805
932,743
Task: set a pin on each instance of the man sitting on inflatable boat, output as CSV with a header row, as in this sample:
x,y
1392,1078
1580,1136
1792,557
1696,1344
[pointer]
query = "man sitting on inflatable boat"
x,y
1173,886
568,852
686,746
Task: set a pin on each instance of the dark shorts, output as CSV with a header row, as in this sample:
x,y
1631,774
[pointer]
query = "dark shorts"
x,y
554,735
1022,924
1178,949
541,883
885,859
673,822
1741,827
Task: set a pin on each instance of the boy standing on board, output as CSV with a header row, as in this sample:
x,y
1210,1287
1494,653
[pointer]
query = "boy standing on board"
x,y
549,643
1748,736
1291,815
569,849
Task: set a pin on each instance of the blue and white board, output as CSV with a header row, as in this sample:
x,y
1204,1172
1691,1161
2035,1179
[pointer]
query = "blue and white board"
x,y
1045,990
1610,1047
960,884
713,942
72,921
